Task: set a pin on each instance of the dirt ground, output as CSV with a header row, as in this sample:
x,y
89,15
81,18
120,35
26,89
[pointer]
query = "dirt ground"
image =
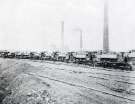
x,y
36,82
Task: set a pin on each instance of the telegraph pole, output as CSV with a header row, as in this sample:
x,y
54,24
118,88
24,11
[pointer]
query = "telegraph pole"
x,y
106,28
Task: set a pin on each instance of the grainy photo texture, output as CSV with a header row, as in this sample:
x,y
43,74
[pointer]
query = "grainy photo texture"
x,y
67,52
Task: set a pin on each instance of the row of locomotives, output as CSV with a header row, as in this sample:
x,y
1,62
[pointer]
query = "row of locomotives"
x,y
124,61
114,60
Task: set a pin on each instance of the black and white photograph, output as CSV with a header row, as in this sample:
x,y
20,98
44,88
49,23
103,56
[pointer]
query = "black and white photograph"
x,y
67,51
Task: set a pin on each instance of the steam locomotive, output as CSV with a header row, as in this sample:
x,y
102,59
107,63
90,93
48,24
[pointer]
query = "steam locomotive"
x,y
115,61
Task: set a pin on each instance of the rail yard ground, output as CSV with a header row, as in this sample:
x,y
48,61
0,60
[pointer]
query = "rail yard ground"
x,y
48,82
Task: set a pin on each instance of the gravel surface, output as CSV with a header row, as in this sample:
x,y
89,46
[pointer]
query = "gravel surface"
x,y
28,82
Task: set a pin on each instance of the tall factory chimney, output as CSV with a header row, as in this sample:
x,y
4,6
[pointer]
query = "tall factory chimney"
x,y
62,35
106,29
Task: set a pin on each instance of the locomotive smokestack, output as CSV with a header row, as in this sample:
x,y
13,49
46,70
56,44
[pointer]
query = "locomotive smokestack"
x,y
106,29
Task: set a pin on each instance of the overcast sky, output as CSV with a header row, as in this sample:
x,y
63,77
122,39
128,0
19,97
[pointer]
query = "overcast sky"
x,y
36,24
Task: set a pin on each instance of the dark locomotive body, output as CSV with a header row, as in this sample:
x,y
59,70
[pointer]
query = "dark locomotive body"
x,y
114,61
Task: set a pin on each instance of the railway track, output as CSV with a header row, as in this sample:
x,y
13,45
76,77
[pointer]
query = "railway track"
x,y
79,85
103,78
79,65
83,66
128,100
75,65
124,76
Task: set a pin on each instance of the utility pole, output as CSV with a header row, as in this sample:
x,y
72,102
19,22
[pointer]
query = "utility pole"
x,y
106,28
62,35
